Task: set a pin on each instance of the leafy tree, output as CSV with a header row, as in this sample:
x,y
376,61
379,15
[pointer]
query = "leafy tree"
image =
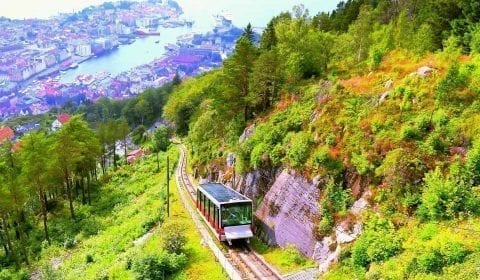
x,y
267,79
35,157
237,70
174,238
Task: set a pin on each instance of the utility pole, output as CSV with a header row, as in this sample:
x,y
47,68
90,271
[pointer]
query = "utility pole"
x,y
168,188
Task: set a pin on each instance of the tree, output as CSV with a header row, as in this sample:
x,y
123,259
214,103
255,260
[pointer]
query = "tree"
x,y
161,141
267,78
248,33
237,70
35,158
71,150
14,197
123,131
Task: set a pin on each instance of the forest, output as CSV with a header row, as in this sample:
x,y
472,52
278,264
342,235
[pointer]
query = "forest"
x,y
380,92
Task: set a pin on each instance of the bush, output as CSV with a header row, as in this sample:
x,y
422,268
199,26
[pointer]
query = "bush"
x,y
299,149
409,132
453,80
88,258
294,256
377,243
362,165
322,159
433,259
158,267
174,238
69,243
430,261
445,196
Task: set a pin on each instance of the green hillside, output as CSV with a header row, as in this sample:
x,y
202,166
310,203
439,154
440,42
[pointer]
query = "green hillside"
x,y
380,99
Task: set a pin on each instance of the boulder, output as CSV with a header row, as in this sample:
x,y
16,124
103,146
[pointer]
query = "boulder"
x,y
389,84
246,133
424,71
383,97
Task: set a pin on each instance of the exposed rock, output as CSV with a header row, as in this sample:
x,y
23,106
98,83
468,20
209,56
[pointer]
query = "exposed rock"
x,y
297,203
389,84
246,133
359,206
424,71
383,97
323,254
345,235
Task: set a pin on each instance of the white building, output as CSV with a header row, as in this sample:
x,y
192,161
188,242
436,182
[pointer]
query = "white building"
x,y
83,50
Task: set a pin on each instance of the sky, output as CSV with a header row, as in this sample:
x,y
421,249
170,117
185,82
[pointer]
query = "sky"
x,y
21,9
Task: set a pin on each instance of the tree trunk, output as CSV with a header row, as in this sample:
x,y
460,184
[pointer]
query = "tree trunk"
x,y
125,149
9,241
88,190
114,157
82,189
69,195
43,199
4,244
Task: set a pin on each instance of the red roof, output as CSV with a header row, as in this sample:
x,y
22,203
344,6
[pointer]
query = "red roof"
x,y
6,133
63,118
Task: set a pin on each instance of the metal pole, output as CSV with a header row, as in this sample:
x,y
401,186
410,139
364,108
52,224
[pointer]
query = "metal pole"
x,y
168,188
233,165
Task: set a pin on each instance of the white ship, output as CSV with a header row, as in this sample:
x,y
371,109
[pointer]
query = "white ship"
x,y
224,19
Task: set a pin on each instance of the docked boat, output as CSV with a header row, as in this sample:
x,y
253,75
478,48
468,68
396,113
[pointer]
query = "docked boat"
x,y
171,47
74,65
147,32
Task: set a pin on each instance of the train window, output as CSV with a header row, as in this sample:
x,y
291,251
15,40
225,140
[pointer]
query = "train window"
x,y
216,216
212,211
236,214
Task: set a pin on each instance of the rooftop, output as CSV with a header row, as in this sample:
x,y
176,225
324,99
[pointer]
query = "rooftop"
x,y
6,133
222,193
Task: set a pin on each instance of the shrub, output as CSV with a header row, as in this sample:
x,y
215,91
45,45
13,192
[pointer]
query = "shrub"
x,y
409,132
174,238
299,149
430,261
88,258
445,196
293,255
452,81
323,160
69,243
377,243
362,165
158,266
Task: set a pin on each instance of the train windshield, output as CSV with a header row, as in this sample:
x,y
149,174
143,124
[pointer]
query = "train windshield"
x,y
236,214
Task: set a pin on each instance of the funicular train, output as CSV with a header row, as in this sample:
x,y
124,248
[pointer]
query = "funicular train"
x,y
227,212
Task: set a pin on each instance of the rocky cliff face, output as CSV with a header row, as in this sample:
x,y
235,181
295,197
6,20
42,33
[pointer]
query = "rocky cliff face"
x,y
288,211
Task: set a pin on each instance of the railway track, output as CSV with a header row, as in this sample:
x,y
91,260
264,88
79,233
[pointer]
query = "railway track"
x,y
248,263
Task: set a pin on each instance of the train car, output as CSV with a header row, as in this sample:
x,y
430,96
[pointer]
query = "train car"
x,y
227,212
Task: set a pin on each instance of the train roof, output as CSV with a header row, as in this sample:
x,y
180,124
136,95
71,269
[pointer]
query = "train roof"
x,y
222,194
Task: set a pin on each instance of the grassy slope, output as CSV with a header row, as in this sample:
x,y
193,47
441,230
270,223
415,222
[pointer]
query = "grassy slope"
x,y
418,238
137,191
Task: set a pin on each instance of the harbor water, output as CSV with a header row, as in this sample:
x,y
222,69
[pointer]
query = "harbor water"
x,y
146,49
